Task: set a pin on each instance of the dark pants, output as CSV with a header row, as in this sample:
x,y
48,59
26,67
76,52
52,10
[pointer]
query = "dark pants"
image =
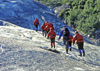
x,y
52,40
66,43
70,43
36,27
80,45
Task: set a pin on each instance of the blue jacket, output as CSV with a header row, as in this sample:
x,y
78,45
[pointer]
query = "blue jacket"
x,y
61,33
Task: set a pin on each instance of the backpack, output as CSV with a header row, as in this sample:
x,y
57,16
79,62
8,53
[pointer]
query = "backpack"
x,y
66,33
79,37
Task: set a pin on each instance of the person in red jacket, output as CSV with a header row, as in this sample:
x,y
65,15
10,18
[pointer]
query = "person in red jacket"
x,y
49,25
42,27
80,42
70,42
47,28
36,23
52,36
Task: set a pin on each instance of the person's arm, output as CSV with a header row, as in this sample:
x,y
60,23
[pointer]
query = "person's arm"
x,y
34,22
60,34
71,38
74,39
48,35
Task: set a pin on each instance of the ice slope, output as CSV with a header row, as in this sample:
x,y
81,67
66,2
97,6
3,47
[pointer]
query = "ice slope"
x,y
20,48
24,12
23,48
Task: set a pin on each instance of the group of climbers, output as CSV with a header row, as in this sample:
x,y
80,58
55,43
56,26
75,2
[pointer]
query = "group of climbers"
x,y
48,30
68,39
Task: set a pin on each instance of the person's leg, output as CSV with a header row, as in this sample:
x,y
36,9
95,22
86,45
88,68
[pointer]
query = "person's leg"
x,y
80,52
66,45
70,45
51,42
83,52
54,42
43,32
83,48
36,27
46,33
64,42
79,48
51,45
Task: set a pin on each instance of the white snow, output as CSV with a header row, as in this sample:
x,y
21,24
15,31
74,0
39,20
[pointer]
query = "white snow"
x,y
21,46
26,36
13,1
77,68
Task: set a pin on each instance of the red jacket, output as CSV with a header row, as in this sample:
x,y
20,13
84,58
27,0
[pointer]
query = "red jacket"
x,y
71,38
43,26
78,38
51,34
48,26
36,22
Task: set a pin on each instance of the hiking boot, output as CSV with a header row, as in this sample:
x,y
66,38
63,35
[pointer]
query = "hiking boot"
x,y
70,49
36,30
80,55
51,46
67,51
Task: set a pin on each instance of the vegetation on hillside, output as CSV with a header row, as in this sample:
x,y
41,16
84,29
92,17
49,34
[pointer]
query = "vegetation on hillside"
x,y
84,15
